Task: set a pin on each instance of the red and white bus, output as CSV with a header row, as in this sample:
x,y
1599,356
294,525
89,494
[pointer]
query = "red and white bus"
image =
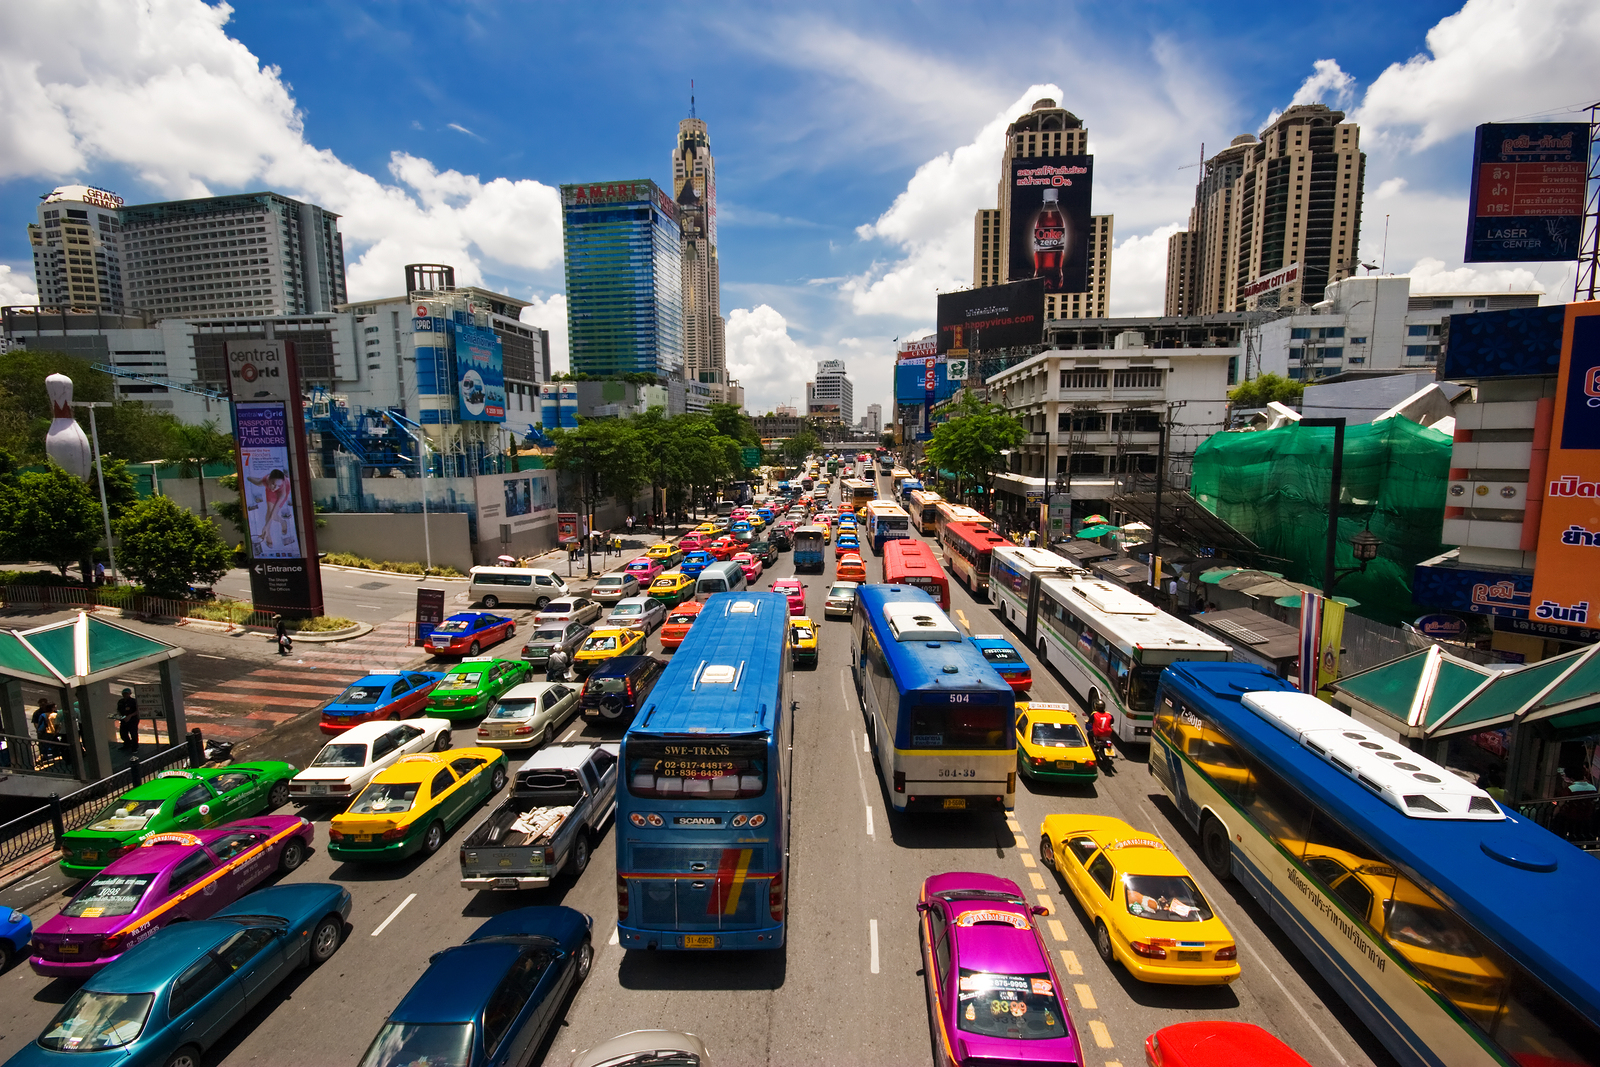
x,y
910,562
924,510
967,549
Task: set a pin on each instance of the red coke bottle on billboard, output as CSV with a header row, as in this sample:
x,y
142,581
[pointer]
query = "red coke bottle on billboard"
x,y
1049,241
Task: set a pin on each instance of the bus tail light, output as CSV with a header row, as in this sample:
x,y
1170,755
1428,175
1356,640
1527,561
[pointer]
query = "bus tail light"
x,y
1148,951
1227,952
622,897
775,897
899,781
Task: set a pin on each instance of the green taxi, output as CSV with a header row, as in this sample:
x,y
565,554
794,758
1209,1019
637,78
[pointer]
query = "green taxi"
x,y
469,687
175,800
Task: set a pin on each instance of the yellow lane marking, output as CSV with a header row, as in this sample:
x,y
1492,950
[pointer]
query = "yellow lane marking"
x,y
1014,825
1057,931
1027,860
961,617
1038,882
1102,1036
1022,842
1070,958
1085,996
1048,904
1113,1063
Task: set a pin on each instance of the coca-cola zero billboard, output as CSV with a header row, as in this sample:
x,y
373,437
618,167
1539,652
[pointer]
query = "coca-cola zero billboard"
x,y
1049,215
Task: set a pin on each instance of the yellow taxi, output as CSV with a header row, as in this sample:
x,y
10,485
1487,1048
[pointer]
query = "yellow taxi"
x,y
672,589
606,643
669,554
706,528
756,522
1052,745
802,640
861,513
409,806
823,523
1147,912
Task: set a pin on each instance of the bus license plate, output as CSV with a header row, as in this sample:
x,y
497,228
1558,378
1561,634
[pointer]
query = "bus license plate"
x,y
955,803
699,941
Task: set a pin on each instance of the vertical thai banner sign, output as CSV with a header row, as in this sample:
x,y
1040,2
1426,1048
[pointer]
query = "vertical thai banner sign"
x,y
274,477
1528,186
1566,583
1328,643
1310,640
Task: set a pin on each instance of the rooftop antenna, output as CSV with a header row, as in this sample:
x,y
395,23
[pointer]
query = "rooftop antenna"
x,y
691,99
1383,260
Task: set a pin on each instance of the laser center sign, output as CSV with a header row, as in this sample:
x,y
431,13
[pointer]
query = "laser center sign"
x,y
1528,183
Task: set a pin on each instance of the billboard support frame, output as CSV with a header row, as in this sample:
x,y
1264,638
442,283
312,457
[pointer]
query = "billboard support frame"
x,y
1589,242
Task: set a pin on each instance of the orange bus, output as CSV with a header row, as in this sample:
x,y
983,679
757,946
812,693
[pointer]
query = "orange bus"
x,y
924,509
910,562
967,548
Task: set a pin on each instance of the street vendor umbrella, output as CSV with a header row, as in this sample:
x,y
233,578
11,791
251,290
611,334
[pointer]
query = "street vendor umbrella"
x,y
1273,587
1294,602
1216,574
1091,532
1095,520
509,561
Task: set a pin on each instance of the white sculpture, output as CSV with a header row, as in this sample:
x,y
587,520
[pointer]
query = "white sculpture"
x,y
66,442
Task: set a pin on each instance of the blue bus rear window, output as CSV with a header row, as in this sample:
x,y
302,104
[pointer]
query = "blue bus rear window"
x,y
961,725
696,770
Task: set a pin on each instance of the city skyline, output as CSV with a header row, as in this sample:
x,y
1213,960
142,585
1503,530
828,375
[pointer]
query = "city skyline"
x,y
835,228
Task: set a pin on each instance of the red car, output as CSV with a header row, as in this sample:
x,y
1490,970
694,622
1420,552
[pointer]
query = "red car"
x,y
722,548
1218,1044
679,619
690,542
470,632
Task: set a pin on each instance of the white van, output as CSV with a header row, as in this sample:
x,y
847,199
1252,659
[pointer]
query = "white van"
x,y
725,577
515,585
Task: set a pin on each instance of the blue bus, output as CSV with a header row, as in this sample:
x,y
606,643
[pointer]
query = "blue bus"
x,y
886,521
1443,920
702,820
939,716
907,487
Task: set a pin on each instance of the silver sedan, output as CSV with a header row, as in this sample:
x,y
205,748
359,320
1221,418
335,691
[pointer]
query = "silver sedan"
x,y
571,609
638,613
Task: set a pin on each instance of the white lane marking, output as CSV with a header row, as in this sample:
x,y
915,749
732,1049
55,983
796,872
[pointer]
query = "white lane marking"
x,y
393,914
377,607
615,940
866,745
202,655
861,780
873,927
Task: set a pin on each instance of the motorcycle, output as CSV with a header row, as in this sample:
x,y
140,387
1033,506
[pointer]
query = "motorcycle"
x,y
1103,756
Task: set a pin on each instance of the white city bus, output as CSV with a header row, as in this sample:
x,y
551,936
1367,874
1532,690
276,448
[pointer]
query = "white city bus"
x,y
1014,576
1111,647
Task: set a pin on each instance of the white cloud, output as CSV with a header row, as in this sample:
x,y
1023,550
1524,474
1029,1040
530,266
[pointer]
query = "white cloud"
x,y
772,366
160,90
1389,188
1492,60
1432,276
16,288
1139,273
1327,85
551,315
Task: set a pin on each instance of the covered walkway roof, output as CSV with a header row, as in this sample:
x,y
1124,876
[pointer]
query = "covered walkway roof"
x,y
77,651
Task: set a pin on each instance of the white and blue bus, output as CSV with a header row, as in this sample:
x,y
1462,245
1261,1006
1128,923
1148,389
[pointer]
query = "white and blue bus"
x,y
703,800
1444,921
939,715
886,521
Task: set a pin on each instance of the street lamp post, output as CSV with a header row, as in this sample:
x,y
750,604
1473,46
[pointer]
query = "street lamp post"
x,y
100,473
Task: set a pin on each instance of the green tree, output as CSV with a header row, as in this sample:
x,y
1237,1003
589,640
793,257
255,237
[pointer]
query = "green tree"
x,y
887,440
731,421
121,492
1261,391
129,430
798,447
605,459
969,443
193,447
50,516
168,548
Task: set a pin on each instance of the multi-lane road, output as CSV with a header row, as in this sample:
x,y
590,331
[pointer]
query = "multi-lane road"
x,y
847,988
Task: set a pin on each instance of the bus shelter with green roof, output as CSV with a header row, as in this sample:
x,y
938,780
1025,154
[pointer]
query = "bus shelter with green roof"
x,y
1543,712
77,662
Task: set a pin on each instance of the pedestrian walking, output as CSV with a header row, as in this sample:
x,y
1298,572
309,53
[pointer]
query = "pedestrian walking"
x,y
280,634
629,522
555,668
128,720
99,574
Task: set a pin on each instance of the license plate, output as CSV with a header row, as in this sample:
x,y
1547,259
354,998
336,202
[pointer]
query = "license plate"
x,y
88,855
318,790
68,950
1188,957
955,803
363,837
1065,764
699,941
505,883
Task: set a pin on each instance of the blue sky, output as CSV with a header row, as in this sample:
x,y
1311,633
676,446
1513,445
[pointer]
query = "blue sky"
x,y
853,142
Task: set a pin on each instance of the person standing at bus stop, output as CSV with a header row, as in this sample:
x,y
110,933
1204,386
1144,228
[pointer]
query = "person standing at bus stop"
x,y
127,717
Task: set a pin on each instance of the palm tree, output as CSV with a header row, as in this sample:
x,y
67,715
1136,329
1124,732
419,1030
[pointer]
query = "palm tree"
x,y
195,446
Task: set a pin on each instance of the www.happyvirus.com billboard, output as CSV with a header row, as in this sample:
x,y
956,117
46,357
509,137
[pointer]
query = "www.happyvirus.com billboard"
x,y
1049,221
995,316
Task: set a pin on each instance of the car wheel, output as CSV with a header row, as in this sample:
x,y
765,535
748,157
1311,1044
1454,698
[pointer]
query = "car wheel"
x,y
394,716
325,940
1102,942
279,795
491,601
8,956
443,742
580,853
498,782
541,603
187,1056
294,854
474,648
1216,849
433,839
1047,852
585,959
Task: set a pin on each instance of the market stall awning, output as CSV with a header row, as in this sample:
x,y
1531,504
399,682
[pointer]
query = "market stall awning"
x,y
1216,574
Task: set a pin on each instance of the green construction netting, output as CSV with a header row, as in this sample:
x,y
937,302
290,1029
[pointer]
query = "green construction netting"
x,y
1272,486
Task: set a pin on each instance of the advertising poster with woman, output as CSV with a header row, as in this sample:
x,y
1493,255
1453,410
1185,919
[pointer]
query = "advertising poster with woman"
x,y
266,481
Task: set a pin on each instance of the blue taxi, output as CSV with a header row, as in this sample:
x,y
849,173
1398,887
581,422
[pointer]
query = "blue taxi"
x,y
380,695
16,930
695,562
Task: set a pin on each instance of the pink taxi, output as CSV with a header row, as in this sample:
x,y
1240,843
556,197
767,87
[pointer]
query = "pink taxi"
x,y
795,591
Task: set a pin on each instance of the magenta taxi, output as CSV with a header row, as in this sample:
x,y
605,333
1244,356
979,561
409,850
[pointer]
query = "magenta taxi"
x,y
993,995
170,877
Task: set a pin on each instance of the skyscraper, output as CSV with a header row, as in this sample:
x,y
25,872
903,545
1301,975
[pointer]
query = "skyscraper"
x,y
76,243
831,397
1045,131
1275,220
624,271
694,182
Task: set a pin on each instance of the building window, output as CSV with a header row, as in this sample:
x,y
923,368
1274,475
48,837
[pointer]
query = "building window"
x,y
1083,379
1416,331
1299,333
1137,379
1088,463
1233,370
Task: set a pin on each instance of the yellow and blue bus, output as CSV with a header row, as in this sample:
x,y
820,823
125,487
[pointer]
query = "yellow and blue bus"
x,y
856,493
939,716
1445,922
702,820
924,510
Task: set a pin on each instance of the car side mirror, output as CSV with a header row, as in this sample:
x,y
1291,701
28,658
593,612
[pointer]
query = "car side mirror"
x,y
922,908
1039,909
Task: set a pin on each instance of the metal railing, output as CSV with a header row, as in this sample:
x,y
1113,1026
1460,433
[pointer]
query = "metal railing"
x,y
1575,817
232,612
46,825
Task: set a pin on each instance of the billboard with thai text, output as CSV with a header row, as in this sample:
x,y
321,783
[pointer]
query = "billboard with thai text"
x,y
1049,221
1566,580
995,316
1528,183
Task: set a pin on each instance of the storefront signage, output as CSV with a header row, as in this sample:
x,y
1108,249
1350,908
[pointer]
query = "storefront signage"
x,y
1268,282
1566,584
1440,627
1528,181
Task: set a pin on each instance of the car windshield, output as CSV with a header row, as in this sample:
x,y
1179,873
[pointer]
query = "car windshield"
x,y
342,755
420,1045
551,636
680,619
520,708
612,579
361,694
462,680
1018,1007
801,633
125,814
1001,655
384,798
452,626
109,894
599,644
559,607
1168,897
1057,735
664,583
90,1021
843,591
627,609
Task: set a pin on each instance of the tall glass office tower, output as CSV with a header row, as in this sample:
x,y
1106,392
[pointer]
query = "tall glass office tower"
x,y
624,253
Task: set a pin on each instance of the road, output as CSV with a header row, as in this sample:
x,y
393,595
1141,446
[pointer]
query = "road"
x,y
352,594
846,989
